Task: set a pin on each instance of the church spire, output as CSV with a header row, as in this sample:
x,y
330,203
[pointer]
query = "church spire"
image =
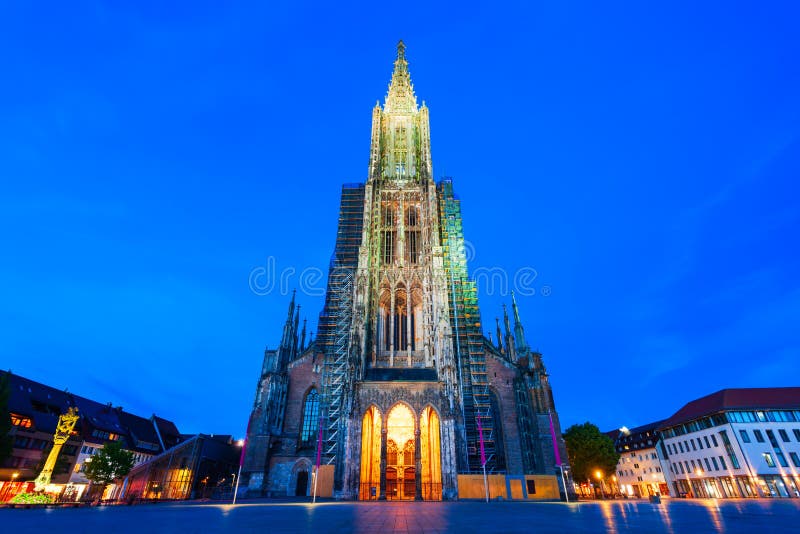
x,y
499,334
295,331
401,98
303,337
519,332
505,320
289,337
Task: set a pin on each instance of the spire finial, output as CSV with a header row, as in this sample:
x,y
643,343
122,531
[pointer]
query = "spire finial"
x,y
516,310
400,98
519,332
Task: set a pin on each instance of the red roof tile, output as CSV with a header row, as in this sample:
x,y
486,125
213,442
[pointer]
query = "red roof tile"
x,y
737,399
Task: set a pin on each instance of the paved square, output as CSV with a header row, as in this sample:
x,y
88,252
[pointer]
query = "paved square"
x,y
671,517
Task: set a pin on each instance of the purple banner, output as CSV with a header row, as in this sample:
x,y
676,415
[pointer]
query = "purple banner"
x,y
555,443
480,435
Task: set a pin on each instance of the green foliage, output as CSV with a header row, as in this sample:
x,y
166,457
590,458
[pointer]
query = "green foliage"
x,y
6,441
32,498
590,450
111,462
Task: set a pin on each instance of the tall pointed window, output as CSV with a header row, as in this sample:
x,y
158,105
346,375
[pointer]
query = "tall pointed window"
x,y
310,418
412,235
388,233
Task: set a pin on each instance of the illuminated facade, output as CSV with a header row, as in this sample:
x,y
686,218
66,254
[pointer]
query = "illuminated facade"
x,y
407,384
41,433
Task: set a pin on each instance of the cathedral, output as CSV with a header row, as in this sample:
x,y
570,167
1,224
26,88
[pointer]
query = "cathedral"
x,y
401,396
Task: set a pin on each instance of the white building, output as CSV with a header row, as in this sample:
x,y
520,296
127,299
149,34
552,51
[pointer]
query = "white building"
x,y
639,470
735,443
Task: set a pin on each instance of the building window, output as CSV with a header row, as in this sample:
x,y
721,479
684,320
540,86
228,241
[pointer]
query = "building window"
x,y
388,247
729,449
708,445
310,417
745,436
21,421
768,457
681,446
796,432
771,437
694,447
759,436
708,465
795,459
681,466
714,440
716,465
784,435
781,458
722,462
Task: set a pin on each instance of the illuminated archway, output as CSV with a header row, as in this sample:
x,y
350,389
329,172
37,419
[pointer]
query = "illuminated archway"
x,y
430,447
400,446
370,454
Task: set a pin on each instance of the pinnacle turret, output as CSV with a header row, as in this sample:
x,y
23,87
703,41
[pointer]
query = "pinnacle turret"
x,y
499,334
519,332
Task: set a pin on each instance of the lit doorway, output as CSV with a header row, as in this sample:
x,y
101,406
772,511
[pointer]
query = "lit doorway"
x,y
370,455
430,448
400,463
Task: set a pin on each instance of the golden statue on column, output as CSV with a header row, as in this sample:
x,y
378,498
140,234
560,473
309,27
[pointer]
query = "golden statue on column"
x,y
66,422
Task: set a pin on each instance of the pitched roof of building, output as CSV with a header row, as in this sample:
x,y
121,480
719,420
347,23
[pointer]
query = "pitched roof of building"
x,y
43,404
737,399
640,437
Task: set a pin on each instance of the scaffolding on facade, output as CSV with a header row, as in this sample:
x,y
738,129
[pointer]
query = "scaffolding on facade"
x,y
465,321
335,322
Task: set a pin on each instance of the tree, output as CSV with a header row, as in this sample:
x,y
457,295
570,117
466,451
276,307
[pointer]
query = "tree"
x,y
6,440
589,451
110,463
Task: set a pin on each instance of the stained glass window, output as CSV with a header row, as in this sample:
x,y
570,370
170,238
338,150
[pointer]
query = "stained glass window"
x,y
310,416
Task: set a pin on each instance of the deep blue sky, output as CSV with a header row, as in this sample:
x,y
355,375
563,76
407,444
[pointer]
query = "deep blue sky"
x,y
643,160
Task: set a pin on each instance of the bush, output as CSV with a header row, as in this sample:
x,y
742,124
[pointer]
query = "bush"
x,y
32,498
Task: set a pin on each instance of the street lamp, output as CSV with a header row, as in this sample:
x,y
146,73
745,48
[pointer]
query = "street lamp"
x,y
599,476
239,443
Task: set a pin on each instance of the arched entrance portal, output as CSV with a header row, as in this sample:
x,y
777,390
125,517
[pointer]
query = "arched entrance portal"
x,y
301,488
431,459
370,455
400,461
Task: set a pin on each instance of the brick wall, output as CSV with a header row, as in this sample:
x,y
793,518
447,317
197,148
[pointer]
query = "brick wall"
x,y
501,380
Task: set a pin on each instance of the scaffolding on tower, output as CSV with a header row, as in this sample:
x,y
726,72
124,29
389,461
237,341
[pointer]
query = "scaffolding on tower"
x,y
465,322
335,322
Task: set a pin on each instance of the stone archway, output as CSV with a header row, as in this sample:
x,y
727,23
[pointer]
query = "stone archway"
x,y
430,455
370,455
301,469
401,458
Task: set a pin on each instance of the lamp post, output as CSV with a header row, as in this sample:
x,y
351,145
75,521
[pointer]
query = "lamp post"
x,y
599,476
564,481
240,443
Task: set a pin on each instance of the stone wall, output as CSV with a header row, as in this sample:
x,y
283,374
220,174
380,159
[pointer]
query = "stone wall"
x,y
501,381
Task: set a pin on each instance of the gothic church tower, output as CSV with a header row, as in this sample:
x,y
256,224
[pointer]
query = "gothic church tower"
x,y
396,388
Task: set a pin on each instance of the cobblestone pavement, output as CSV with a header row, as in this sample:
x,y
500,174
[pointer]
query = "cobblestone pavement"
x,y
670,517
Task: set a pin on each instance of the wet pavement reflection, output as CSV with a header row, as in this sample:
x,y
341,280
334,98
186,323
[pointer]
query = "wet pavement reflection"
x,y
671,517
